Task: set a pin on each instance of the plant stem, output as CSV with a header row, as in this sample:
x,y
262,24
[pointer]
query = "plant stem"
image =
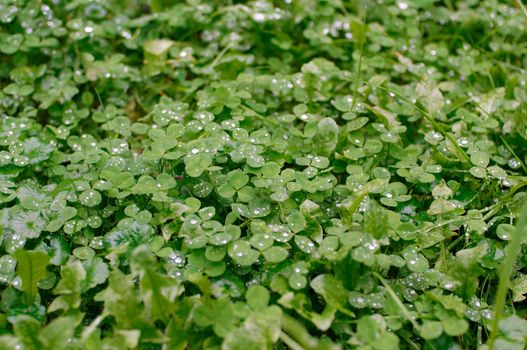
x,y
511,253
397,300
359,66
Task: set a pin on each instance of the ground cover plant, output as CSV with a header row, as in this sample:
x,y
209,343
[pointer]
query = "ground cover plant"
x,y
288,174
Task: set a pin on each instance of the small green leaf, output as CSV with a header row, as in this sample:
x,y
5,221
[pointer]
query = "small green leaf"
x,y
238,180
275,254
158,47
431,330
480,159
31,268
454,326
257,297
332,290
90,198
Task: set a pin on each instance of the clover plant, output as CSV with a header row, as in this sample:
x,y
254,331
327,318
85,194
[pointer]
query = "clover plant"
x,y
263,174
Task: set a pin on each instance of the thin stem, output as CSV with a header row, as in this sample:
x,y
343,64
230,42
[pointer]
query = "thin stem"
x,y
522,6
359,68
397,300
507,267
290,342
220,55
107,121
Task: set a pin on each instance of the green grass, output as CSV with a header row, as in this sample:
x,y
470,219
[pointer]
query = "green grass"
x,y
295,174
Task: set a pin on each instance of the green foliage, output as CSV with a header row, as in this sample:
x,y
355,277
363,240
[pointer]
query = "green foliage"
x,y
263,174
31,268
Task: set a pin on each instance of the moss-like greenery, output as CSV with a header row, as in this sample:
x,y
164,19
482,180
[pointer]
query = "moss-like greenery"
x,y
292,174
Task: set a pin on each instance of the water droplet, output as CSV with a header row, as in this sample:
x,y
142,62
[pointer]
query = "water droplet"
x,y
90,198
297,281
402,5
17,283
94,221
372,245
305,244
410,294
5,158
473,315
259,17
20,160
449,285
487,314
176,258
462,141
97,243
118,146
475,302
310,171
357,300
437,136
376,300
513,163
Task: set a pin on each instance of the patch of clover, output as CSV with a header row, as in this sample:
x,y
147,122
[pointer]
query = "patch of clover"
x,y
262,175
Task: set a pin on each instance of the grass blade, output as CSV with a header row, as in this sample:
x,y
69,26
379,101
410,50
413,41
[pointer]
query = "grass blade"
x,y
511,253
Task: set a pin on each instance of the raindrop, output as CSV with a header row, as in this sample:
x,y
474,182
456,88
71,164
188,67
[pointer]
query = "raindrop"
x,y
21,160
410,294
97,243
5,158
462,141
437,136
449,285
402,5
376,300
94,221
513,163
487,314
297,281
305,244
473,315
17,283
90,198
357,300
259,17
118,147
372,245
176,258
475,302
282,236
